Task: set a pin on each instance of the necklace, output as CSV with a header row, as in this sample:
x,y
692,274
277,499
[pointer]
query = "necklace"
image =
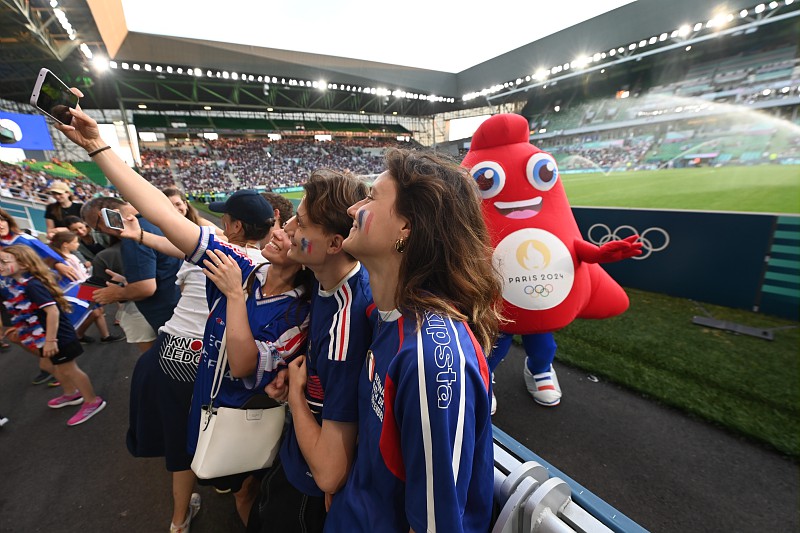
x,y
385,316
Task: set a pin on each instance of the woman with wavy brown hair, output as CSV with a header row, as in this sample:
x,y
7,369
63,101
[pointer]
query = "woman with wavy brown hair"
x,y
424,393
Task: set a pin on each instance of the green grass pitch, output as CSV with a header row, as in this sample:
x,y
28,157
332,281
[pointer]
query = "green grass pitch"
x,y
760,189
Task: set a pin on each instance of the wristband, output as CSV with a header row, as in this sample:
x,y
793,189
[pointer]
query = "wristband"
x,y
95,152
141,235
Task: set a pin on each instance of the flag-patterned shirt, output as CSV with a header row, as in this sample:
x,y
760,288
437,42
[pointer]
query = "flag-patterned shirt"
x,y
25,299
278,323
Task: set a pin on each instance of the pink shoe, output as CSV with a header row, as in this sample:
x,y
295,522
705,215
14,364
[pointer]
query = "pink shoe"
x,y
66,399
87,411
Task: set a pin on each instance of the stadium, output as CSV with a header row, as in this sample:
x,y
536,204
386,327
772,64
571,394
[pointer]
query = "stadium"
x,y
678,119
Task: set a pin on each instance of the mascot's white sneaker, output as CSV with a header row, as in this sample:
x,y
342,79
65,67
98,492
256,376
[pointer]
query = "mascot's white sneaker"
x,y
543,387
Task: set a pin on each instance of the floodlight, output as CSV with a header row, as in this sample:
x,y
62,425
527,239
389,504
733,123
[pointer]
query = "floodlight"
x,y
112,64
642,43
136,66
142,106
684,30
207,107
759,9
773,5
743,13
698,26
652,40
100,63
662,37
612,52
125,66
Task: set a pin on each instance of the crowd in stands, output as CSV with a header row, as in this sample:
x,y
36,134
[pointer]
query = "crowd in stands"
x,y
20,181
223,165
721,139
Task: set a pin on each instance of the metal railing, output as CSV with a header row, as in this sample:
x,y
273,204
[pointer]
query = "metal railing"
x,y
534,496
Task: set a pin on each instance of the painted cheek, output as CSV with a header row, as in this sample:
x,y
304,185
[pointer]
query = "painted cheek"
x,y
364,220
305,245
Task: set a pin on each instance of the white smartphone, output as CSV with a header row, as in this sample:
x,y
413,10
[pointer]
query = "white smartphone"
x,y
112,218
52,97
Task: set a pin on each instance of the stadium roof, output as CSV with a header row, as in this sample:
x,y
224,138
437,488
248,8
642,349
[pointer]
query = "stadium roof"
x,y
192,69
384,32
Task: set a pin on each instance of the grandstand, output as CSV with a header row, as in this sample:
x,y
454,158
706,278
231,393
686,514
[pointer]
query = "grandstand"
x,y
652,96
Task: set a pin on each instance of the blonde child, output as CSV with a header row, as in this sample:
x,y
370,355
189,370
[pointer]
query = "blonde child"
x,y
37,305
65,243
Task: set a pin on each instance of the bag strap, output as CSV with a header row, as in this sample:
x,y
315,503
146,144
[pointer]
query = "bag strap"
x,y
222,358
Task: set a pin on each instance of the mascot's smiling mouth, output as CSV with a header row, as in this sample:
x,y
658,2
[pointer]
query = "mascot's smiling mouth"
x,y
520,209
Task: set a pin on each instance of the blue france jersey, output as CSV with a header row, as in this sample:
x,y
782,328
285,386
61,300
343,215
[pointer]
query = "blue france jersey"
x,y
339,336
274,321
424,458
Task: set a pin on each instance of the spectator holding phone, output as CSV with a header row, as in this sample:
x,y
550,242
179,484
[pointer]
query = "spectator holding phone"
x,y
150,277
266,321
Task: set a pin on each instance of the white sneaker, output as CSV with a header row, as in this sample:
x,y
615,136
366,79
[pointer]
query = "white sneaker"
x,y
543,387
194,508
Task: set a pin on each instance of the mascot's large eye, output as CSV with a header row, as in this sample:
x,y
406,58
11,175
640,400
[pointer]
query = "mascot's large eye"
x,y
490,178
542,171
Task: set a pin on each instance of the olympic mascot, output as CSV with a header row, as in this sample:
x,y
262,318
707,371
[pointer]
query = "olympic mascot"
x,y
551,276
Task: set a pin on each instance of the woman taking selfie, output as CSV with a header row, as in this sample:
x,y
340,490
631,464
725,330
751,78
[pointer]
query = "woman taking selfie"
x,y
266,321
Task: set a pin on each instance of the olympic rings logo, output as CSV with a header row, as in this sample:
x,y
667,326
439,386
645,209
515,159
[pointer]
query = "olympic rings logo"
x,y
652,239
537,291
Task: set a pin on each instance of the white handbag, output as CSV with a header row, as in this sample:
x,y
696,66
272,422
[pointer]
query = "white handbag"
x,y
235,440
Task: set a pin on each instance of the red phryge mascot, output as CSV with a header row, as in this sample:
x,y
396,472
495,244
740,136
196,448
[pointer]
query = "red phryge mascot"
x,y
550,274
